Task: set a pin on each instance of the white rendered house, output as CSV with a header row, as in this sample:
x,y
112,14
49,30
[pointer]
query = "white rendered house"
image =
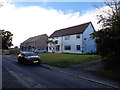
x,y
74,39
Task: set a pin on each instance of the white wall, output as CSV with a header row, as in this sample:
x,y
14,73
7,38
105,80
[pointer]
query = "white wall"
x,y
72,42
88,44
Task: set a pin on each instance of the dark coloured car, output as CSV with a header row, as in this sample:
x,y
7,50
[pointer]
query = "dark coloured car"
x,y
28,58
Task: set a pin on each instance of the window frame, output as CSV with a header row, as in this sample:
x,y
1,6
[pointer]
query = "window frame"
x,y
58,48
78,35
67,37
78,47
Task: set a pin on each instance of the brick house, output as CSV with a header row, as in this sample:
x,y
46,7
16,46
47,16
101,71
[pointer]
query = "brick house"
x,y
32,43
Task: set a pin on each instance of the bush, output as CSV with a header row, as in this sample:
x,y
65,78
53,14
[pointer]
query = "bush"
x,y
111,63
110,74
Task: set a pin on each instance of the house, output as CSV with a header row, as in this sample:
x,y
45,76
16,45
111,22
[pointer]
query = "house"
x,y
37,42
74,39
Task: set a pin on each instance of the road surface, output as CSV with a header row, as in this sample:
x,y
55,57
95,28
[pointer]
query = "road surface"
x,y
16,75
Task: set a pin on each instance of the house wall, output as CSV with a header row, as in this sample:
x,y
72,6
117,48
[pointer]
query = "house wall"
x,y
28,46
40,43
89,44
72,42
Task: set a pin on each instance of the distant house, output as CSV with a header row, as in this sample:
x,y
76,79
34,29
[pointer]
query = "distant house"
x,y
37,42
74,39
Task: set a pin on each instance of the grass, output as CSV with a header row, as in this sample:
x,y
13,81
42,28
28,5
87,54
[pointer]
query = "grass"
x,y
11,51
6,52
65,60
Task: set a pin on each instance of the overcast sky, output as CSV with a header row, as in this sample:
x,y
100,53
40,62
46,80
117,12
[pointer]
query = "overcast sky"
x,y
28,19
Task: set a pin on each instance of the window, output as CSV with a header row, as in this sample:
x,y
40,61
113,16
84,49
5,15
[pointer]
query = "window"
x,y
85,38
67,37
77,47
30,54
78,36
67,47
57,47
50,48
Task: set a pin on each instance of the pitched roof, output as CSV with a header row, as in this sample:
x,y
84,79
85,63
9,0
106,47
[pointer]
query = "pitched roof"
x,y
70,30
33,39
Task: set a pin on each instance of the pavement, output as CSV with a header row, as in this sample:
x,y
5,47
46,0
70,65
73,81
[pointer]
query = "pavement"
x,y
86,71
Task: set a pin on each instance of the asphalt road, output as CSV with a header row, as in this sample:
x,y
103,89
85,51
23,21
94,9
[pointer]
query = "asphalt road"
x,y
16,75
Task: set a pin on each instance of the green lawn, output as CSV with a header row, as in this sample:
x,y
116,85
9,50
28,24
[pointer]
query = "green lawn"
x,y
64,60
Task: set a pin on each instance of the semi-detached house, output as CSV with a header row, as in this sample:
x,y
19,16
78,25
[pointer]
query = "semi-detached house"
x,y
74,39
36,42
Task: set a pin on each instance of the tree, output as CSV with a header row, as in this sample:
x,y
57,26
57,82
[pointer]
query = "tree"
x,y
108,38
16,47
52,44
6,39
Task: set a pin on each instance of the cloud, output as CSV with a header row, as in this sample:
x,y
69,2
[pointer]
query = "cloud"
x,y
30,21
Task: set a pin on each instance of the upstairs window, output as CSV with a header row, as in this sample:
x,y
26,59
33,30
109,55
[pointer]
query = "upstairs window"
x,y
78,36
67,37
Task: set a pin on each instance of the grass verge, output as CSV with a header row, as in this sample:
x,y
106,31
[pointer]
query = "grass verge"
x,y
65,60
6,52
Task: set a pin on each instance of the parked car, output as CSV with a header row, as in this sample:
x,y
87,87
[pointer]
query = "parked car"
x,y
28,58
40,51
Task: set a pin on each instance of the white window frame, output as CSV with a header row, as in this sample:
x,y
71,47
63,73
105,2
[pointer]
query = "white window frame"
x,y
67,37
78,35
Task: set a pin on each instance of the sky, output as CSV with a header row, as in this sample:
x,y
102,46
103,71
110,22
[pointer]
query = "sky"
x,y
29,19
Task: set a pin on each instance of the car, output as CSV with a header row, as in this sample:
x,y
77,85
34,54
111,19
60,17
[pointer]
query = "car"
x,y
40,51
29,58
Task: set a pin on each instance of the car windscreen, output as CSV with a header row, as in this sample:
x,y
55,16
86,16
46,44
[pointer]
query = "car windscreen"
x,y
30,54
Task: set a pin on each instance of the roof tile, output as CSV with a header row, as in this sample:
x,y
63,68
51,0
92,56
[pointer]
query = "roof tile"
x,y
70,30
33,39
